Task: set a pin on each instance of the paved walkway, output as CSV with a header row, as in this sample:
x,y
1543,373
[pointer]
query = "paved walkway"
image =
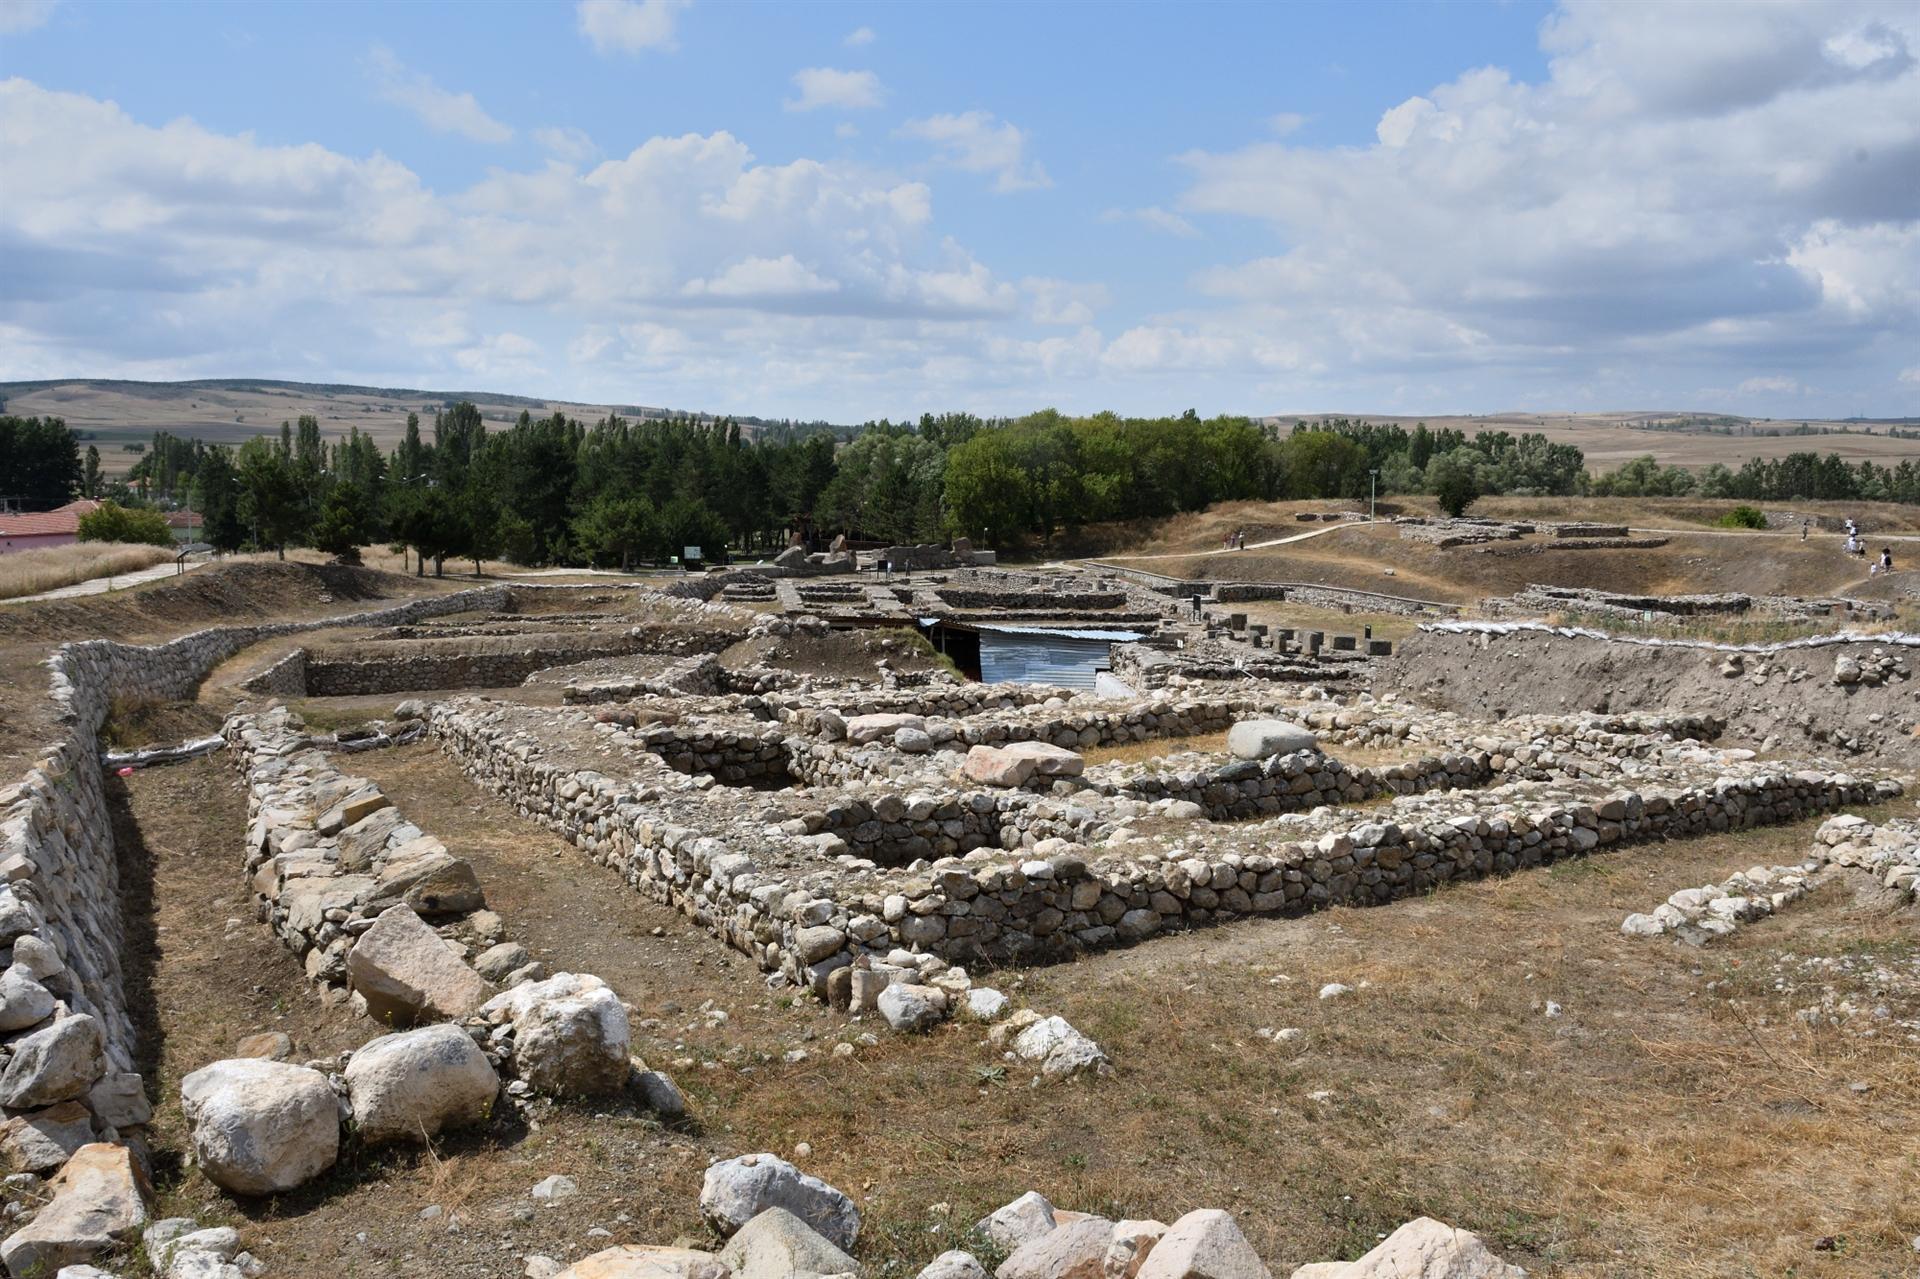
x,y
101,585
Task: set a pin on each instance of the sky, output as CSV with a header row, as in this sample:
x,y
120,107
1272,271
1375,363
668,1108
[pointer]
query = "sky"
x,y
847,211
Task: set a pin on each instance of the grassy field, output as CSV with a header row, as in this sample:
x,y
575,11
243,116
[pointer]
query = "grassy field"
x,y
51,567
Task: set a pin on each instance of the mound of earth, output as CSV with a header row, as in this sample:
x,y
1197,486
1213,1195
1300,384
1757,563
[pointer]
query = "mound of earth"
x,y
1789,698
221,593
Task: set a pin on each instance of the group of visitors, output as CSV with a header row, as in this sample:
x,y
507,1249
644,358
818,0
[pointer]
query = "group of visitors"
x,y
1234,541
1883,563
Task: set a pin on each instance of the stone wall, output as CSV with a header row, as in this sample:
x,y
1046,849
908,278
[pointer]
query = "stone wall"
x,y
60,912
801,901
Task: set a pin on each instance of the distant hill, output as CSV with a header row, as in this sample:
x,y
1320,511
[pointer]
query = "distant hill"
x,y
113,414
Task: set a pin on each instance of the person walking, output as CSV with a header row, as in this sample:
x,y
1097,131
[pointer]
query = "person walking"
x,y
1803,530
1885,563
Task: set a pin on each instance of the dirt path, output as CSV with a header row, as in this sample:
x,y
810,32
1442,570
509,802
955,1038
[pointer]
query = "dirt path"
x,y
1237,550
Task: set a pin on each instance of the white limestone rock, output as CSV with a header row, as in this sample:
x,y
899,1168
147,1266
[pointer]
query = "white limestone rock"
x,y
99,1201
1019,1222
1265,738
407,974
571,1035
1205,1244
410,1085
261,1127
776,1245
1059,1049
1421,1249
738,1190
54,1063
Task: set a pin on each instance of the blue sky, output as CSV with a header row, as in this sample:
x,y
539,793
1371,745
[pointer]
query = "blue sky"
x,y
845,211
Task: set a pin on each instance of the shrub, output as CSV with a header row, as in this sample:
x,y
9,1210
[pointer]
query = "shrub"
x,y
111,522
1743,517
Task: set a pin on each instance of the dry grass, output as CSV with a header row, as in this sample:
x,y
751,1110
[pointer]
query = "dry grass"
x,y
52,567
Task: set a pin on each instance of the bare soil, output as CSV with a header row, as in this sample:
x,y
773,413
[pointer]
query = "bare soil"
x,y
1531,672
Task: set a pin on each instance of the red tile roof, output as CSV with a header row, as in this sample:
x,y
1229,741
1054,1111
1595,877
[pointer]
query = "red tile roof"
x,y
64,519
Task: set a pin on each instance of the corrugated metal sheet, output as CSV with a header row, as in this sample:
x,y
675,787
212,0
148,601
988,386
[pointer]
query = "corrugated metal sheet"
x,y
1041,655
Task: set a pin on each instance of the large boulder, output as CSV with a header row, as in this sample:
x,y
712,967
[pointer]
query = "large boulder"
x,y
261,1127
911,1007
406,973
1048,760
41,1140
776,1244
412,1084
1265,738
1019,1222
1076,1250
1203,1245
1421,1249
862,729
24,1002
571,1035
996,766
738,1190
638,1261
432,882
55,1063
99,1201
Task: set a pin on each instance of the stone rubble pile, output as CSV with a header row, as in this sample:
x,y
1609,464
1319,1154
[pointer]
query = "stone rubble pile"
x,y
1890,851
1698,915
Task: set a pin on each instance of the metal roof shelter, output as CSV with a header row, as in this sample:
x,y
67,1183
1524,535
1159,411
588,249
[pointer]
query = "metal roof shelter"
x,y
1068,656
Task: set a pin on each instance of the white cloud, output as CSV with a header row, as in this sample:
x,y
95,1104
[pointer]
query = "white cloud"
x,y
975,142
859,36
762,278
1723,189
629,26
716,278
1911,376
1163,220
1286,122
846,129
439,109
566,143
1063,302
1770,386
826,87
24,15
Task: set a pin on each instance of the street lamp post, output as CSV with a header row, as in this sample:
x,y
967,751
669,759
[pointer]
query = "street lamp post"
x,y
1373,488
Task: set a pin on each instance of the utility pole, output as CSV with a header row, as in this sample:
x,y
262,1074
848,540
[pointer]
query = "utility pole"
x,y
1373,488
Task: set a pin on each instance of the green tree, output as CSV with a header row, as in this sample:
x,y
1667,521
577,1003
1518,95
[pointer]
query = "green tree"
x,y
272,499
90,476
341,529
111,522
39,462
617,527
1451,476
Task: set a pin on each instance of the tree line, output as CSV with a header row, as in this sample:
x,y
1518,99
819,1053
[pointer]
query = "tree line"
x,y
558,491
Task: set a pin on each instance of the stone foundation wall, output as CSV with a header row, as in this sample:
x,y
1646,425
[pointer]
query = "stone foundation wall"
x,y
783,898
62,891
